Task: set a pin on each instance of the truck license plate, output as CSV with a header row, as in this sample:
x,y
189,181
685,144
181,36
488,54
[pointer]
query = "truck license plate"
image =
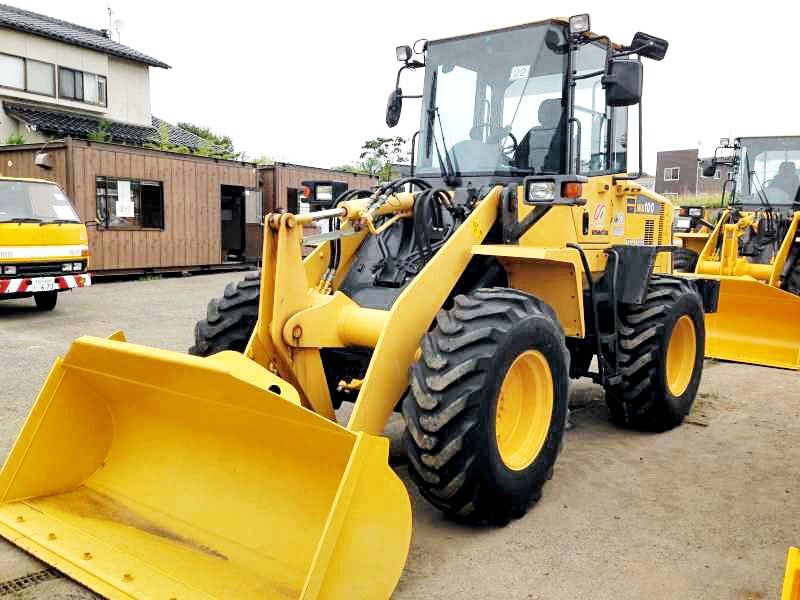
x,y
43,284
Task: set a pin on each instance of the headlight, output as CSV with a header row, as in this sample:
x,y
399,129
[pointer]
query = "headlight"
x,y
78,266
541,190
10,269
66,267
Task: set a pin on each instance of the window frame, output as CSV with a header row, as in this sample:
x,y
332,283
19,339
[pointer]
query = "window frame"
x,y
672,177
104,223
24,87
52,76
83,74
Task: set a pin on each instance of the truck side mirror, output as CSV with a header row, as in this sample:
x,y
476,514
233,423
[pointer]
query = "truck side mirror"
x,y
623,82
708,167
394,107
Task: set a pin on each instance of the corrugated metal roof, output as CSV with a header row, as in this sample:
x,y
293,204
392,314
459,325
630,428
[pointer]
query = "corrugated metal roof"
x,y
70,33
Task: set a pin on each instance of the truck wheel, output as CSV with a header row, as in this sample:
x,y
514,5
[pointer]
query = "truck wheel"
x,y
487,405
684,260
230,320
661,357
45,300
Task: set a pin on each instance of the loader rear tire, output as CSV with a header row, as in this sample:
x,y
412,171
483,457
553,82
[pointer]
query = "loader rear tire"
x,y
230,320
662,343
487,405
684,260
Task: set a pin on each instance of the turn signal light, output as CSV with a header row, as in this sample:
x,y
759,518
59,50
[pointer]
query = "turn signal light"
x,y
572,190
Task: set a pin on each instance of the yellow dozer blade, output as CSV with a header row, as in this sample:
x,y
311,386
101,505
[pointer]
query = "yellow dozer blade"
x,y
152,474
754,323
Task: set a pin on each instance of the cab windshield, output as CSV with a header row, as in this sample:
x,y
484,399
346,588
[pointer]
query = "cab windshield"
x,y
493,105
35,202
769,168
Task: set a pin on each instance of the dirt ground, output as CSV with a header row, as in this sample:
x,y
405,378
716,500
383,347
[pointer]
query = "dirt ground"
x,y
705,511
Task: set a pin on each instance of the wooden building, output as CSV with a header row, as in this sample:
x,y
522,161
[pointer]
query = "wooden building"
x,y
150,210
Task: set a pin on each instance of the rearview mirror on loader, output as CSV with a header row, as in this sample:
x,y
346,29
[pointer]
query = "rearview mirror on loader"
x,y
623,82
709,167
394,107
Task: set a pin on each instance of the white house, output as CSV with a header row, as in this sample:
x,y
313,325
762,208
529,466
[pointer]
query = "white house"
x,y
59,79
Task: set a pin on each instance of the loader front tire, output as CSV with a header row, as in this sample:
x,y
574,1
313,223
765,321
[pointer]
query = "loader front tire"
x,y
661,357
792,281
230,320
487,405
684,260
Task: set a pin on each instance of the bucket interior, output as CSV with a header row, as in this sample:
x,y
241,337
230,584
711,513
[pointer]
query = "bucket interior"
x,y
155,471
754,323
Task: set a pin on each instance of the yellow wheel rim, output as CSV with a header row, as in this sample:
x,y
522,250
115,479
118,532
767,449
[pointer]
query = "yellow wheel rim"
x,y
681,354
524,410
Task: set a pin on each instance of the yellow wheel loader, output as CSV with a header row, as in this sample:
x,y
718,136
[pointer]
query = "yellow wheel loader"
x,y
464,296
753,250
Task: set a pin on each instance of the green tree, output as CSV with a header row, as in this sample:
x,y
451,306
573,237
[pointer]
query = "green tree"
x,y
223,141
378,155
102,133
15,139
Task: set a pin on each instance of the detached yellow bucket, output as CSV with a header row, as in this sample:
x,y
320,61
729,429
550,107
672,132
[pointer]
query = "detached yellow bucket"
x,y
754,323
144,473
791,580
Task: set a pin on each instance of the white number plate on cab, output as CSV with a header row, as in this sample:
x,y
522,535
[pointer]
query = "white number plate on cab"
x,y
43,284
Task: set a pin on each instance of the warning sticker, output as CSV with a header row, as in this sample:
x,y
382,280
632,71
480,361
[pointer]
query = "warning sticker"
x,y
599,214
520,72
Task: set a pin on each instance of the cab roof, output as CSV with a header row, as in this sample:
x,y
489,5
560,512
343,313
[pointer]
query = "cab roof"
x,y
553,21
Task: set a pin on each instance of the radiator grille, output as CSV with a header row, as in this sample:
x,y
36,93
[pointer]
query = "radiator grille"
x,y
649,231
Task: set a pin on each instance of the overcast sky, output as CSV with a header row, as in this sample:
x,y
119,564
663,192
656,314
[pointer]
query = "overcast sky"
x,y
307,82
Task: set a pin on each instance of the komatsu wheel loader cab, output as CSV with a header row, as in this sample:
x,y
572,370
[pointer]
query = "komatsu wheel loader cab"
x,y
753,250
464,296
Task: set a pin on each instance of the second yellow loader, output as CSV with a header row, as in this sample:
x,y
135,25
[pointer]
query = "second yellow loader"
x,y
753,250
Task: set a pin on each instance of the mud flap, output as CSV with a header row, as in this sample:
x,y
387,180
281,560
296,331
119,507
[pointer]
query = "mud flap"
x,y
754,323
146,473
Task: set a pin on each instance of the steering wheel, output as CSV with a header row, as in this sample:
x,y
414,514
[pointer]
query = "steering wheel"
x,y
509,145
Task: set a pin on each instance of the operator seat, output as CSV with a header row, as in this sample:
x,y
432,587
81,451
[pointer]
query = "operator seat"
x,y
541,148
787,179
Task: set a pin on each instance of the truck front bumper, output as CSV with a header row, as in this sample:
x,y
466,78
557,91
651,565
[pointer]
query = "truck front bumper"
x,y
58,283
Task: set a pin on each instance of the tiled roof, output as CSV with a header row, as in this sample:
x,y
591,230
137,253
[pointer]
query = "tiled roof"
x,y
181,137
80,125
69,33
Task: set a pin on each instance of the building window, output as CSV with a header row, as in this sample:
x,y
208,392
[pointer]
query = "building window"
x,y
27,75
672,174
40,78
80,86
12,71
129,203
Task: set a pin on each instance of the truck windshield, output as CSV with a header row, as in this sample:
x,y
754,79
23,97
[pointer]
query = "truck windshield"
x,y
34,201
768,167
493,101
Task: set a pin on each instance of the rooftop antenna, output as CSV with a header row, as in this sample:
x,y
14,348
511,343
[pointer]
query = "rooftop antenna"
x,y
114,24
118,27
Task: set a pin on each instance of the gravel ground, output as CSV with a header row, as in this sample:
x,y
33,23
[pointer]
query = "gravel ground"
x,y
705,511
